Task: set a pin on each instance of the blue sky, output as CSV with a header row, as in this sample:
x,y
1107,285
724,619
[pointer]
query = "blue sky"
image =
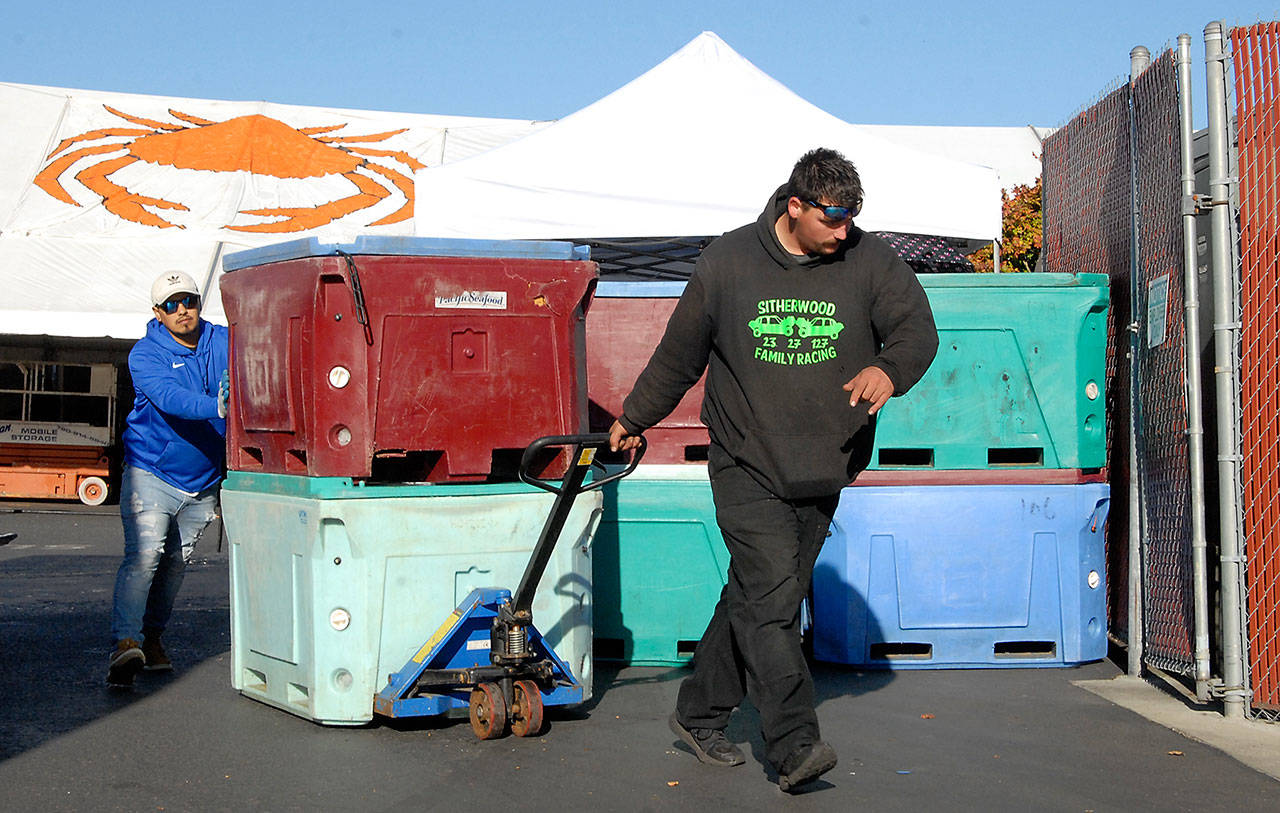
x,y
904,62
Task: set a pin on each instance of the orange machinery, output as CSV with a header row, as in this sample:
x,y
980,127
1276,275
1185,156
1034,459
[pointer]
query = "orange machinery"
x,y
56,423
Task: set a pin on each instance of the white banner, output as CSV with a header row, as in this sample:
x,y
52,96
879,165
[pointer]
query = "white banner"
x,y
102,192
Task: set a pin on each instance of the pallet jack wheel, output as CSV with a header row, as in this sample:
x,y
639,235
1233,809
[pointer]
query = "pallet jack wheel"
x,y
488,711
526,711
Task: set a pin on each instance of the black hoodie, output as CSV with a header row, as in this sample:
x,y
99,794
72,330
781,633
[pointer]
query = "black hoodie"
x,y
779,335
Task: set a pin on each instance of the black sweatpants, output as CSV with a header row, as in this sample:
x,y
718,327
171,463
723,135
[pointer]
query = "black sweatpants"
x,y
752,645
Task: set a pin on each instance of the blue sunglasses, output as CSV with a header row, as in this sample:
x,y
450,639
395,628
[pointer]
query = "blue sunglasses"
x,y
837,213
190,302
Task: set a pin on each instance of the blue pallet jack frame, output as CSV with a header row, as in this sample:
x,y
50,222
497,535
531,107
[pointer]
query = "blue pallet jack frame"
x,y
487,656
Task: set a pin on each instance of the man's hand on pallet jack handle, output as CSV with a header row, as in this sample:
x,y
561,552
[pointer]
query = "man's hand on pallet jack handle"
x,y
620,440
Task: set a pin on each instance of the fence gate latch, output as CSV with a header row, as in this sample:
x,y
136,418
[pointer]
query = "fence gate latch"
x,y
1220,690
1197,204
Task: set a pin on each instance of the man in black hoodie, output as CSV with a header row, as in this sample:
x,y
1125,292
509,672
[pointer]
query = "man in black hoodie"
x,y
806,326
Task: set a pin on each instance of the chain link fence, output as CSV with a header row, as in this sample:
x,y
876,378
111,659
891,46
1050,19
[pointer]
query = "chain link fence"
x,y
1163,455
1255,55
1114,203
1086,206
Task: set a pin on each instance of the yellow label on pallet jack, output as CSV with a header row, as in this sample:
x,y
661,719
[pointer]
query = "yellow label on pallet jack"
x,y
438,635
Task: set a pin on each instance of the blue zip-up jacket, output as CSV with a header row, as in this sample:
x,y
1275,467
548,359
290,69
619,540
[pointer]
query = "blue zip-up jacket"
x,y
174,430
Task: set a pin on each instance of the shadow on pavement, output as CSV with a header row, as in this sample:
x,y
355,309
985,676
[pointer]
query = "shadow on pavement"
x,y
56,631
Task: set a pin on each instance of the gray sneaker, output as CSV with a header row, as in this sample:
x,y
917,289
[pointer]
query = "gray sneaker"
x,y
709,744
125,663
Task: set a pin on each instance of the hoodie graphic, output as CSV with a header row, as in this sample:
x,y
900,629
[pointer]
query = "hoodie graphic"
x,y
779,335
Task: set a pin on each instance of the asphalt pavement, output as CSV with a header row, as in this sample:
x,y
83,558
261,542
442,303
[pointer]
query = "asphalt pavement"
x,y
998,739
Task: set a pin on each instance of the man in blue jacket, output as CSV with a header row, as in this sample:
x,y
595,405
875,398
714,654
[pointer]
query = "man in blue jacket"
x,y
173,461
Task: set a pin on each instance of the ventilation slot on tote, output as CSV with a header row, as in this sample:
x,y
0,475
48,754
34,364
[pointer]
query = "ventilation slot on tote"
x,y
1021,456
901,652
1025,649
907,458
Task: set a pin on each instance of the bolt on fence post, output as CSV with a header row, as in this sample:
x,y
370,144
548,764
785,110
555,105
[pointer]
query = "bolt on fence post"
x,y
1226,374
1195,419
1139,60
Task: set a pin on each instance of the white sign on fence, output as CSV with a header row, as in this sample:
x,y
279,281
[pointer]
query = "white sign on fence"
x,y
1157,310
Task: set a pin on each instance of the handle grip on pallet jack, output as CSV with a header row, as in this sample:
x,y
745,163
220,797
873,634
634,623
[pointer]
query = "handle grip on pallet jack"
x,y
593,440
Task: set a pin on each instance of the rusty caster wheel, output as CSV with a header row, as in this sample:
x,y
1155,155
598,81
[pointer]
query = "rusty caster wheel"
x,y
488,711
526,710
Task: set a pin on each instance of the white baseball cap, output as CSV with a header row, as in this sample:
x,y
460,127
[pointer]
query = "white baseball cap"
x,y
170,283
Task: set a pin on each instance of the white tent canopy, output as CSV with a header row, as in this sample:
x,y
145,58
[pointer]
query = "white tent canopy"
x,y
102,192
690,149
1013,152
693,147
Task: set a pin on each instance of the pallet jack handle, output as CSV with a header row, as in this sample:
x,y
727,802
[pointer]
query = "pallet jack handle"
x,y
593,442
583,457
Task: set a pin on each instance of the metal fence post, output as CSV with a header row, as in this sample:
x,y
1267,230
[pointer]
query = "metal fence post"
x,y
1139,59
1226,337
1195,419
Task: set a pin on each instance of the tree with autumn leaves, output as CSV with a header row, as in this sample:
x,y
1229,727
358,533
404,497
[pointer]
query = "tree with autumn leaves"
x,y
1020,231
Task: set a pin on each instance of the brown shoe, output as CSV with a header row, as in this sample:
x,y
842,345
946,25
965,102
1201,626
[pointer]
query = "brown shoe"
x,y
125,663
157,660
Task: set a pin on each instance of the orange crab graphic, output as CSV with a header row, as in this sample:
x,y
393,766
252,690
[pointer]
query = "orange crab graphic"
x,y
256,144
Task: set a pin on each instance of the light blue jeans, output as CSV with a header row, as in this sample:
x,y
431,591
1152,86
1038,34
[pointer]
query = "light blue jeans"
x,y
162,525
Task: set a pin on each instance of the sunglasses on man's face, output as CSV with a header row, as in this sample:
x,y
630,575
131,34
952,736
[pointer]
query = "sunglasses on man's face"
x,y
836,213
190,302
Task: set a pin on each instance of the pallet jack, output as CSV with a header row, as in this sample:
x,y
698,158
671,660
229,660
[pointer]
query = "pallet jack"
x,y
487,656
